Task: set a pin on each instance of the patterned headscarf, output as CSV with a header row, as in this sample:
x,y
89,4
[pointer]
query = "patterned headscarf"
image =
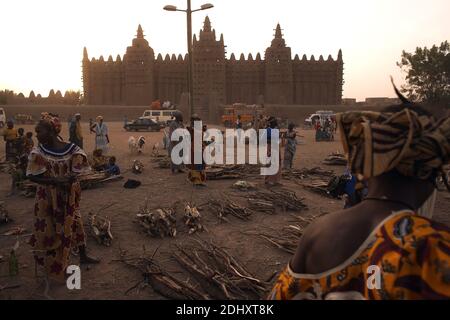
x,y
53,120
377,142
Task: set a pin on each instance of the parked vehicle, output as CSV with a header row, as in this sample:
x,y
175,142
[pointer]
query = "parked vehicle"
x,y
231,113
160,116
23,119
143,124
2,118
321,116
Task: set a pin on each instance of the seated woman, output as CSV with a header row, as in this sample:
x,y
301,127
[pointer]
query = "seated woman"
x,y
387,246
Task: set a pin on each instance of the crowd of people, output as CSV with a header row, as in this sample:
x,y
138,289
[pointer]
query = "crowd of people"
x,y
395,157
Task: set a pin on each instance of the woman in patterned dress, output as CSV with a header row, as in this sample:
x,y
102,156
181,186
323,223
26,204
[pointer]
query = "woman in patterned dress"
x,y
387,246
58,227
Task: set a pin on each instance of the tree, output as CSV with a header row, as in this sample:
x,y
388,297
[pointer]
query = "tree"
x,y
427,74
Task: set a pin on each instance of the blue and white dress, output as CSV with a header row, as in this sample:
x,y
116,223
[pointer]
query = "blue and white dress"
x,y
101,141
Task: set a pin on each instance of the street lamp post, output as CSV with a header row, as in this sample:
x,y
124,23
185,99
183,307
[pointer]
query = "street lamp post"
x,y
189,12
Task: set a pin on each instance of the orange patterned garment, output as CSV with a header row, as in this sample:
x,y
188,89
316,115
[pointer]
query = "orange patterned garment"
x,y
58,226
411,254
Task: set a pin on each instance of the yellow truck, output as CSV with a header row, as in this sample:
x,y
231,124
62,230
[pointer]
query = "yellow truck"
x,y
231,113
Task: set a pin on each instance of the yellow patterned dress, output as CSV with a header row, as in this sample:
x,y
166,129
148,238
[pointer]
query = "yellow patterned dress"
x,y
405,257
58,226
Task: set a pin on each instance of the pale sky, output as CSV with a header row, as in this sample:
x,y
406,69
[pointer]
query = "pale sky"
x,y
42,41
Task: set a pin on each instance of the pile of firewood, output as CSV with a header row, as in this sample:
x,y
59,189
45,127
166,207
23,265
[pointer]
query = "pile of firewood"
x,y
282,198
213,274
192,219
318,186
101,229
287,239
162,162
261,206
6,167
87,181
4,215
91,180
305,173
161,281
226,207
218,273
231,171
335,159
158,222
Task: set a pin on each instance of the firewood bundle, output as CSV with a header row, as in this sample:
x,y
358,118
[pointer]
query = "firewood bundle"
x,y
287,240
335,159
218,172
158,222
318,186
6,167
226,207
282,198
218,273
162,162
4,215
192,219
101,229
27,188
161,281
305,173
261,206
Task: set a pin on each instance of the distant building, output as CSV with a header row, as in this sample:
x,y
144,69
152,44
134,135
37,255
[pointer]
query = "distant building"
x,y
140,78
381,101
348,101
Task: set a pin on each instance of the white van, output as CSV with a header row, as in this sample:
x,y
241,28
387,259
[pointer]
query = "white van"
x,y
2,118
160,116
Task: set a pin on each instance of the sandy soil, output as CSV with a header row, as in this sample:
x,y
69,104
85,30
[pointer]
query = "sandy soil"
x,y
111,279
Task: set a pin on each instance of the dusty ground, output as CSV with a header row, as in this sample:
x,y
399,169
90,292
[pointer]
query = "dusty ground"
x,y
111,279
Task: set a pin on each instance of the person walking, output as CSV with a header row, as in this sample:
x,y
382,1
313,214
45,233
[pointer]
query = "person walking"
x,y
76,135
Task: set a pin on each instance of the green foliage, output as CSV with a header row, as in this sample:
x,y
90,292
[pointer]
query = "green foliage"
x,y
427,74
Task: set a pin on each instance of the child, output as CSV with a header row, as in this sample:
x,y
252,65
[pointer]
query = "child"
x,y
100,162
113,169
29,143
291,146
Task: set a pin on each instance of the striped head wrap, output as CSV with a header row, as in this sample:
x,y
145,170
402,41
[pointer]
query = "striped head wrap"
x,y
415,145
53,120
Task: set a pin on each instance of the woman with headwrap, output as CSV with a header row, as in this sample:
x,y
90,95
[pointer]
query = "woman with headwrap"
x,y
75,132
197,174
290,147
101,135
58,228
272,180
387,246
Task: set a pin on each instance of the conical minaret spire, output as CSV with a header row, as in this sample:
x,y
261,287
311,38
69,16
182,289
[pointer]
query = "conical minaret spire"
x,y
207,25
85,54
278,34
140,33
278,40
